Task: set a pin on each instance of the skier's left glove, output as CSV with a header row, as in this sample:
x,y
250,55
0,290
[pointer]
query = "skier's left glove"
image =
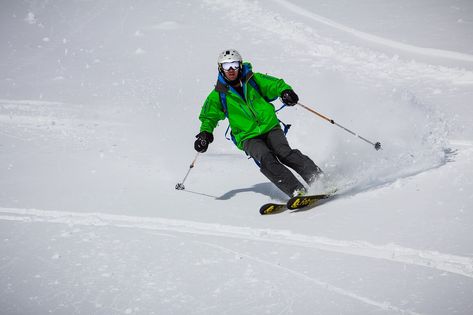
x,y
204,138
289,97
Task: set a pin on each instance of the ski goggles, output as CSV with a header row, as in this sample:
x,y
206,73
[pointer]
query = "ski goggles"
x,y
231,65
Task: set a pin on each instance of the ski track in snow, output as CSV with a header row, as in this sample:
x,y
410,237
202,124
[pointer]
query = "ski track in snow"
x,y
385,306
376,39
323,52
391,252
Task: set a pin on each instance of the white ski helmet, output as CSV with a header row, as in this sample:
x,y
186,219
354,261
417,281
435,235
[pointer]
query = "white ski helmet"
x,y
229,55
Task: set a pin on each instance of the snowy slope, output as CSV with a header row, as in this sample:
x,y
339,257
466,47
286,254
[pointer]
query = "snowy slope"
x,y
98,111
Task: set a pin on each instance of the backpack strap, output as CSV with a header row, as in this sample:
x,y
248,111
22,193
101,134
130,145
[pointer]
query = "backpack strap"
x,y
286,127
222,90
223,102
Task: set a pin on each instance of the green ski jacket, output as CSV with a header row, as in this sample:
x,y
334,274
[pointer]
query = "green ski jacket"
x,y
249,116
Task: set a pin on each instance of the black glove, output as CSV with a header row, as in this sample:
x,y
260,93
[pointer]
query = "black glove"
x,y
204,138
289,98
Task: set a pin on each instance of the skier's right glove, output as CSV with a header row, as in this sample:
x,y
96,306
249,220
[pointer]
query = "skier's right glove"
x,y
204,138
289,97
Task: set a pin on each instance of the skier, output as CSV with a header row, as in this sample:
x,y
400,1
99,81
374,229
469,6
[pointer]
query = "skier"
x,y
244,98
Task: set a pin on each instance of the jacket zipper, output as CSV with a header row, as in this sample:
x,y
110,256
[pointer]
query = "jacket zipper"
x,y
250,106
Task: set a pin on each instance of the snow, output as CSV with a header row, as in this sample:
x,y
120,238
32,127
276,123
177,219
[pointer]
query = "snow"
x,y
98,111
377,39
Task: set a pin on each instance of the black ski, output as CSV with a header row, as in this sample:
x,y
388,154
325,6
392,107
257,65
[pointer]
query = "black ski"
x,y
272,208
295,203
300,202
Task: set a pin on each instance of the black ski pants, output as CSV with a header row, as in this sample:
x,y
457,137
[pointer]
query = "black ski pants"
x,y
273,152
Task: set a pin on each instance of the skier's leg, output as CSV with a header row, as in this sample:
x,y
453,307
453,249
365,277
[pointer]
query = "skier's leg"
x,y
276,172
280,175
299,162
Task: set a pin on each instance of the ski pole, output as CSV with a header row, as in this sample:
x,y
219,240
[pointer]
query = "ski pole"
x,y
376,145
180,186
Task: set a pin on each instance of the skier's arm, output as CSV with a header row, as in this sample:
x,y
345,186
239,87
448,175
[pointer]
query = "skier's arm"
x,y
270,87
211,113
209,117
